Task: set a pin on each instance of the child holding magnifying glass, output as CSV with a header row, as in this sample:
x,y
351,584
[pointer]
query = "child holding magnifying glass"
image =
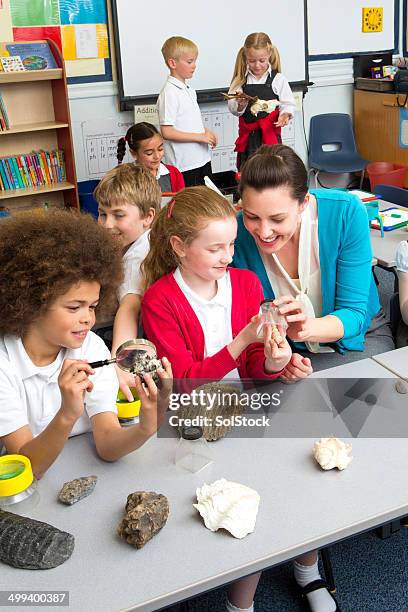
x,y
57,270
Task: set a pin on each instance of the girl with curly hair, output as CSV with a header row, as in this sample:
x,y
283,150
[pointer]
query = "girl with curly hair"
x,y
57,270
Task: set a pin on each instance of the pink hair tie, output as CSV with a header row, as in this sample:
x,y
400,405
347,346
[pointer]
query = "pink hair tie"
x,y
170,207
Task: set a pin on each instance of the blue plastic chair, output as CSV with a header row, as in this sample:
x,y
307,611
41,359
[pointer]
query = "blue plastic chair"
x,y
390,193
334,129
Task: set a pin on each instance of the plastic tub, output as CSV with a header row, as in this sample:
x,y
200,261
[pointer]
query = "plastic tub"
x,y
86,200
386,173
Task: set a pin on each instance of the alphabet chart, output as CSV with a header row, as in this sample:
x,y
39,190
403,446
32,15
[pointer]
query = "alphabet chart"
x,y
100,137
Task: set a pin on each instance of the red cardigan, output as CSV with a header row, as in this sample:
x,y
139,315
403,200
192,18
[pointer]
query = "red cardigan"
x,y
176,178
172,325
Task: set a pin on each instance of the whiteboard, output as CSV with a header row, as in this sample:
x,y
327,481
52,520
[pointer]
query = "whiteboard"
x,y
219,30
335,27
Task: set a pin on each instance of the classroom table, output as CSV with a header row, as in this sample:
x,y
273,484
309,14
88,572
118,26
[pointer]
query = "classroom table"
x,y
185,559
384,249
395,361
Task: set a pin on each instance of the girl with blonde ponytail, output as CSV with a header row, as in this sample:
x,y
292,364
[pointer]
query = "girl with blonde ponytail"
x,y
258,74
200,314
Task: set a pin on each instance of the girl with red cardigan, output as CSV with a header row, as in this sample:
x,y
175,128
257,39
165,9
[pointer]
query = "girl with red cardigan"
x,y
202,315
146,147
199,313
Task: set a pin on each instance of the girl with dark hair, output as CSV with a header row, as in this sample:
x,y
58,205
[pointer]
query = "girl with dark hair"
x,y
312,253
146,147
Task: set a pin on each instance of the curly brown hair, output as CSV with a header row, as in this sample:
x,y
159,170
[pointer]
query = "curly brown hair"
x,y
42,255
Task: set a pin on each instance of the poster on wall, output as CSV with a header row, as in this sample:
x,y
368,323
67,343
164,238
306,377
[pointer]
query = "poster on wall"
x,y
78,28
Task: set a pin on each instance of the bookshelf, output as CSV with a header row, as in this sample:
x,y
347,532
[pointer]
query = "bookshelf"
x,y
38,111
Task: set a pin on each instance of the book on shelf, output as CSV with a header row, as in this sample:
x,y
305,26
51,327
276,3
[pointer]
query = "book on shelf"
x,y
4,120
12,63
33,55
36,169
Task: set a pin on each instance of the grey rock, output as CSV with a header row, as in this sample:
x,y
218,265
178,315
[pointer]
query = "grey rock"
x,y
218,413
77,489
146,515
147,365
29,544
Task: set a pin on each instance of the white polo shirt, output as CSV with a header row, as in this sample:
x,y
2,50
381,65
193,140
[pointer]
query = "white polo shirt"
x,y
30,395
132,260
162,171
214,316
177,106
280,87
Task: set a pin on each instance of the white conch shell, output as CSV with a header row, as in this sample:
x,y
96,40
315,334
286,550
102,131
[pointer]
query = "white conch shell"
x,y
264,106
332,452
228,505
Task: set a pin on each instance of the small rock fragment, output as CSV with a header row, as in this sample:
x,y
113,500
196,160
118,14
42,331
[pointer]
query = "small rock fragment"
x,y
146,514
276,335
77,489
401,386
29,544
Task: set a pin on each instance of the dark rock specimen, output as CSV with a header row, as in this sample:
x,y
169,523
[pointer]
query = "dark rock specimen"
x,y
216,404
29,544
146,514
77,489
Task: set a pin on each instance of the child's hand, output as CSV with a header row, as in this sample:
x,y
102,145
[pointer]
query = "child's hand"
x,y
297,368
277,356
73,381
154,401
126,380
210,138
241,104
250,332
283,120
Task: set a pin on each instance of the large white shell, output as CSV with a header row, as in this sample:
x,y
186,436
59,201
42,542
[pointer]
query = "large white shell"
x,y
228,505
266,106
332,452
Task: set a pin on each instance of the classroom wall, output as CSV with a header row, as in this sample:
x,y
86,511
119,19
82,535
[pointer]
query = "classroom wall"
x,y
332,92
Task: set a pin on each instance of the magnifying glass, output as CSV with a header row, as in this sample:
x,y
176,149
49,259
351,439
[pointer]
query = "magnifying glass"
x,y
137,356
16,479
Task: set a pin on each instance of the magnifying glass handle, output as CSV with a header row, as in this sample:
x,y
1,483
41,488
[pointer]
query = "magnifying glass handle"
x,y
103,362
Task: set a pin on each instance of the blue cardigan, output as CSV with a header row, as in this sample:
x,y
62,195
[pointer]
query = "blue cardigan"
x,y
348,288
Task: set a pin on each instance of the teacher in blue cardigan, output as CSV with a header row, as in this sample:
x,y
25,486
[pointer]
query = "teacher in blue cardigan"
x,y
311,251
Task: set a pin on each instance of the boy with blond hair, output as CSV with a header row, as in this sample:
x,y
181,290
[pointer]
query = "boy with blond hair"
x,y
128,198
186,141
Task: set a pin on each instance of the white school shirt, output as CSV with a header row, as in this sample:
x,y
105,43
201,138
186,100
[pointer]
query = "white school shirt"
x,y
177,106
280,87
132,260
214,316
162,171
30,395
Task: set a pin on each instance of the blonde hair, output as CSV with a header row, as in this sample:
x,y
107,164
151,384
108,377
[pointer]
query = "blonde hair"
x,y
132,183
256,40
185,215
176,46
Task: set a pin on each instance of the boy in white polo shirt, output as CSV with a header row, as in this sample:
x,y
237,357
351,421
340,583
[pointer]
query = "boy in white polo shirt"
x,y
186,142
128,198
57,268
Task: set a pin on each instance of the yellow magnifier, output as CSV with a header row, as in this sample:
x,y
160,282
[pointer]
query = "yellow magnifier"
x,y
16,479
